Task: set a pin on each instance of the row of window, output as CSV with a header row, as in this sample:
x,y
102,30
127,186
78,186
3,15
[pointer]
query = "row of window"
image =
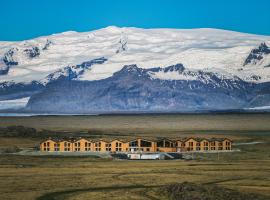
x,y
198,144
140,149
97,146
134,149
78,149
207,148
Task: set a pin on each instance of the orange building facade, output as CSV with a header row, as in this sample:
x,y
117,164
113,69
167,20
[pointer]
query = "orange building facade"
x,y
136,145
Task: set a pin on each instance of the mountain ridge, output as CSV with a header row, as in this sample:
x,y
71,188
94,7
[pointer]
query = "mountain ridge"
x,y
219,62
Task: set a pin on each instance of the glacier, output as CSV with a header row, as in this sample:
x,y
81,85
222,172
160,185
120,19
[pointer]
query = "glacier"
x,y
132,69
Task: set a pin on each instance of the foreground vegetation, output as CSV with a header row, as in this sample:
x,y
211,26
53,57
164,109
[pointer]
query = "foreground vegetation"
x,y
239,175
92,178
193,191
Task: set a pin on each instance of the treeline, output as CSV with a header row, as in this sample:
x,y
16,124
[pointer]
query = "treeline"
x,y
22,131
28,132
18,131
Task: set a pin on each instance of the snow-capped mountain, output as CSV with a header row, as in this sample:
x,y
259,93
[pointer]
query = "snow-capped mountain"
x,y
126,69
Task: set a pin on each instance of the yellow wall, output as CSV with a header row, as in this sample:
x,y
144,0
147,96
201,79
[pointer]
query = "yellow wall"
x,y
49,145
82,145
205,145
66,146
119,146
99,145
213,145
227,144
190,144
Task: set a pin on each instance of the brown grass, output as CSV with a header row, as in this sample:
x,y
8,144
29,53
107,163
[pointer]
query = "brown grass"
x,y
84,178
140,123
25,177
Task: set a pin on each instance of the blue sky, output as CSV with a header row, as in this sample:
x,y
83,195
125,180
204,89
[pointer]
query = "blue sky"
x,y
24,19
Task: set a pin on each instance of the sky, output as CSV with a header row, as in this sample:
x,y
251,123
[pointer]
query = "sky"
x,y
26,19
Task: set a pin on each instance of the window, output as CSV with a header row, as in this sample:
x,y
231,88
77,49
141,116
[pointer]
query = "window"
x,y
46,146
168,144
87,146
118,149
133,143
198,148
56,147
145,143
198,144
147,149
77,148
108,146
190,146
205,148
205,143
220,148
98,146
160,144
66,146
213,148
164,143
118,144
108,149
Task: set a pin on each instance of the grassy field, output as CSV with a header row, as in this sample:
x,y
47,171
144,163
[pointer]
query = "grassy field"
x,y
151,123
43,178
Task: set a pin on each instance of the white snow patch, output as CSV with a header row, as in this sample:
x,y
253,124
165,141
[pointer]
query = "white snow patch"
x,y
174,75
14,104
259,108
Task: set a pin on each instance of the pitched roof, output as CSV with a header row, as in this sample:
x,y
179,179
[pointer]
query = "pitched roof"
x,y
126,140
